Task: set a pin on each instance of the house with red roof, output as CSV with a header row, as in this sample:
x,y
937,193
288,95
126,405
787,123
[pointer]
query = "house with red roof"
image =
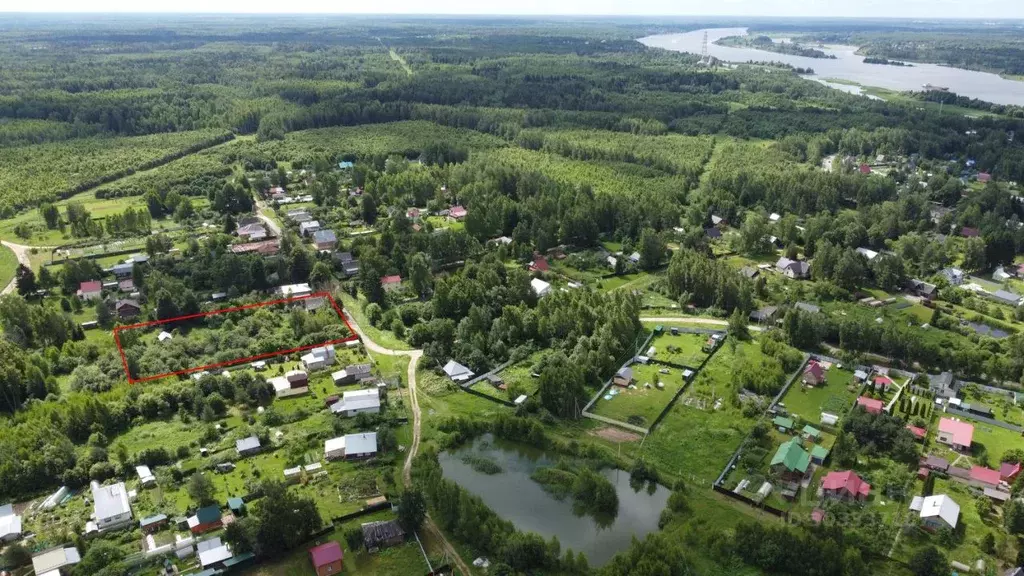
x,y
846,485
90,290
1008,471
326,558
817,515
982,477
956,434
919,433
984,177
539,264
883,382
457,212
814,374
865,169
969,232
390,283
870,405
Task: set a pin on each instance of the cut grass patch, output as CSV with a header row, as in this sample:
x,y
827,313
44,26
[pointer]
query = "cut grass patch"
x,y
642,405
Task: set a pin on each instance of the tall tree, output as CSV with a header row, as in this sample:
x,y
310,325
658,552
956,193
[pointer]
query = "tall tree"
x,y
25,280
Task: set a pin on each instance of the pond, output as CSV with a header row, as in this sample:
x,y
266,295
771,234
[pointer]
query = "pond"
x,y
986,330
515,497
851,67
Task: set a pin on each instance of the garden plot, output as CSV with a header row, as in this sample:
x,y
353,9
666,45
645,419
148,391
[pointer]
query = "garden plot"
x,y
835,395
640,404
684,349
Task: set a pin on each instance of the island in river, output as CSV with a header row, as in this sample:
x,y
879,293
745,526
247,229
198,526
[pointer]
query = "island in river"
x,y
885,61
769,45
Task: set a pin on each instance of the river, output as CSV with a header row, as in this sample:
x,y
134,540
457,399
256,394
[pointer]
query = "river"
x,y
515,497
851,67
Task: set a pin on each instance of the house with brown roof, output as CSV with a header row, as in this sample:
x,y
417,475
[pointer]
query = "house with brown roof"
x,y
127,309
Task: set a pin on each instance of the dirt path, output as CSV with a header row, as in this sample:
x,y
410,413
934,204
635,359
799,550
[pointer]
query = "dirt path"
x,y
414,359
695,320
22,253
260,207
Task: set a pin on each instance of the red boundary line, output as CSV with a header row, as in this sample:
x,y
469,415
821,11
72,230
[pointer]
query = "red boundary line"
x,y
124,359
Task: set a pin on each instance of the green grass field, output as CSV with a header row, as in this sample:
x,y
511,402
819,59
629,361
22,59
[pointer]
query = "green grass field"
x,y
835,396
685,349
642,405
8,266
696,443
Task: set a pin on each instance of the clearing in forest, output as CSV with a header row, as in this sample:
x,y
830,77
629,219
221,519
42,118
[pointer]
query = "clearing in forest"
x,y
230,336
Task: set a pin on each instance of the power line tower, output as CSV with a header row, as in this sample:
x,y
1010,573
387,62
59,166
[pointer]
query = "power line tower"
x,y
704,60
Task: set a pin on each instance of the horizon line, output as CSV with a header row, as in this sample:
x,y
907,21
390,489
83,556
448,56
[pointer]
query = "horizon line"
x,y
505,15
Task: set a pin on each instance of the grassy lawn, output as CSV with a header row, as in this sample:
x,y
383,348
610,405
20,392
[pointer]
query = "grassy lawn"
x,y
404,559
685,349
642,405
835,396
8,265
695,443
968,549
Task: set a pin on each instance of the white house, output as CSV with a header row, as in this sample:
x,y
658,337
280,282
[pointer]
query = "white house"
x,y
213,552
146,477
361,445
111,509
164,336
358,401
938,511
10,524
51,562
540,287
294,290
867,253
284,388
319,358
457,372
773,217
308,228
793,268
829,419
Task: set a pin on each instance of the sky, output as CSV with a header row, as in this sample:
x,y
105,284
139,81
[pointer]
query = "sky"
x,y
1002,9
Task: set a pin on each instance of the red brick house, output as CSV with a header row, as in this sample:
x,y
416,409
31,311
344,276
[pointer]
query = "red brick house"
x,y
326,558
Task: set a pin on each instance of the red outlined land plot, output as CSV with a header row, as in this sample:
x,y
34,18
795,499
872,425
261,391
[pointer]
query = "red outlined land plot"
x,y
326,295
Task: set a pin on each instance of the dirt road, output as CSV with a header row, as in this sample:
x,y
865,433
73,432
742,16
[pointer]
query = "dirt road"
x,y
414,359
695,320
22,253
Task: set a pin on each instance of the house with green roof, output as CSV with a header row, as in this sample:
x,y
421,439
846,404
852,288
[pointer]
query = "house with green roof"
x,y
783,423
818,454
791,461
811,433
